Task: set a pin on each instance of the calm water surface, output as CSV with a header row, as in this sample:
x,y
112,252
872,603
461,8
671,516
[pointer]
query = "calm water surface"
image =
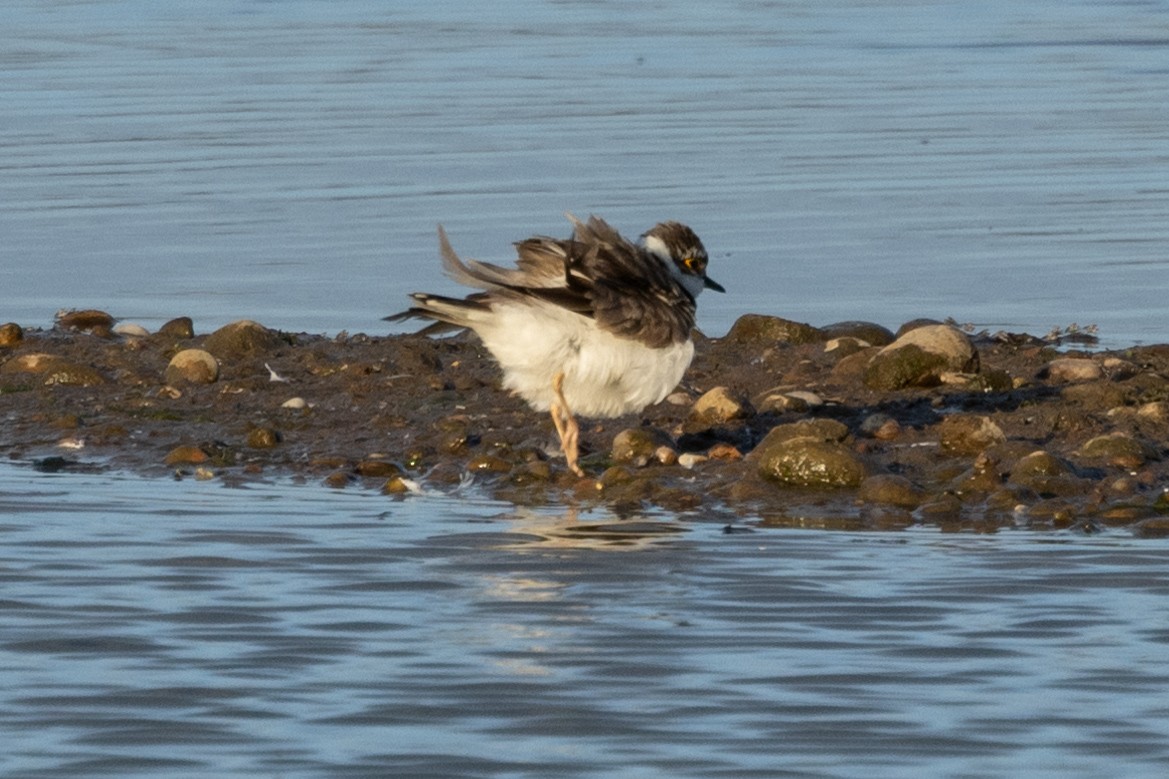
x,y
194,629
1003,163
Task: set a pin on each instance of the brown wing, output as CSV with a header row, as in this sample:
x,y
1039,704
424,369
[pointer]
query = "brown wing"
x,y
626,290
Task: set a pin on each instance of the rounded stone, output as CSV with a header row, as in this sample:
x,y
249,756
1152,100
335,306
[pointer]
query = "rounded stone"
x,y
244,338
488,463
131,330
262,438
186,455
87,320
1118,449
969,433
639,445
37,362
920,357
720,405
1073,369
814,429
192,366
62,372
805,462
761,329
869,332
180,327
11,334
891,490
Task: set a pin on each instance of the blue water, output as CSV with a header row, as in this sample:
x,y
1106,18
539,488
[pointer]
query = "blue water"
x,y
1001,163
194,629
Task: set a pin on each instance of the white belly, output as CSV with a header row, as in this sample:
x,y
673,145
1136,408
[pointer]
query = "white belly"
x,y
604,376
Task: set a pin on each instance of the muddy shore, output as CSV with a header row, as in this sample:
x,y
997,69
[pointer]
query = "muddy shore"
x,y
776,423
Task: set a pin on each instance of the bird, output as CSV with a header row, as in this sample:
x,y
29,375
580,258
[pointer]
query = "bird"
x,y
595,324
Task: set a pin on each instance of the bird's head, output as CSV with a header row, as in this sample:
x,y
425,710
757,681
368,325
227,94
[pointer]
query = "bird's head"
x,y
680,249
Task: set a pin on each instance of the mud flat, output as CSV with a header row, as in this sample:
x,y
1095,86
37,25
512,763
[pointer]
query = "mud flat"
x,y
777,423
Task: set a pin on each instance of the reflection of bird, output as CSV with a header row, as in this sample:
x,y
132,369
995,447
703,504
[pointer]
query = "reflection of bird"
x,y
594,323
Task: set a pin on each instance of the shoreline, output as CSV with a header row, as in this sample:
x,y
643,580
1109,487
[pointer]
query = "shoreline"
x,y
779,423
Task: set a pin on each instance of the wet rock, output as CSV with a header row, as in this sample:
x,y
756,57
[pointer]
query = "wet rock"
x,y
488,463
870,333
11,334
1154,527
180,328
638,446
244,338
1116,449
192,366
36,362
804,458
881,426
63,372
85,321
843,347
1156,411
1094,396
1118,369
186,455
719,406
914,324
797,401
397,485
969,433
725,452
131,330
262,438
920,357
815,429
338,480
1047,475
760,329
1073,369
892,490
851,369
941,508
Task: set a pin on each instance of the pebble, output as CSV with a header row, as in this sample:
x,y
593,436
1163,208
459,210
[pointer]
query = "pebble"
x,y
11,334
181,328
761,329
892,490
294,403
869,333
86,321
262,438
920,357
719,406
1118,449
1073,369
61,372
689,460
192,366
808,462
186,455
637,446
244,338
131,330
969,433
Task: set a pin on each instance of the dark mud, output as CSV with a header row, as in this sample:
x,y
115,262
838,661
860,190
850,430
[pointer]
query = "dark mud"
x,y
776,423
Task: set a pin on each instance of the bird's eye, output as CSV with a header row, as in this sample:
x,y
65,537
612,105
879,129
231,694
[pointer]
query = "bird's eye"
x,y
690,263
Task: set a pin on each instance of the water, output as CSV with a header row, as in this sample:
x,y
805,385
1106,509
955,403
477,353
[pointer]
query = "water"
x,y
1002,163
194,629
